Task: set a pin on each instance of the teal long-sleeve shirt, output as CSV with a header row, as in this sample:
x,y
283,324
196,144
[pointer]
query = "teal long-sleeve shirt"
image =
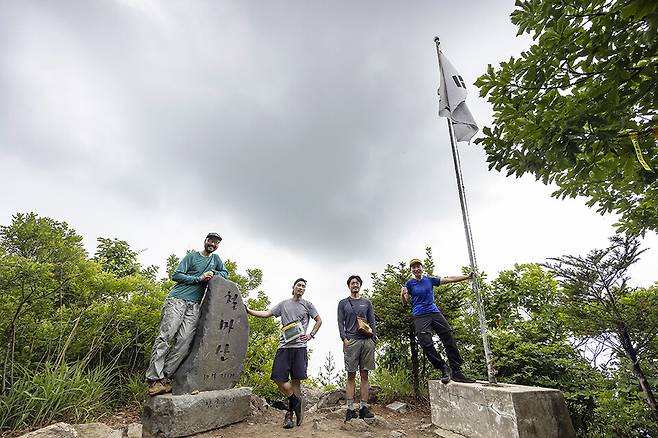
x,y
187,276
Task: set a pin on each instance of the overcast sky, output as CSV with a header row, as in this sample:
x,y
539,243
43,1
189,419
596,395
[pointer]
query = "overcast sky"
x,y
304,132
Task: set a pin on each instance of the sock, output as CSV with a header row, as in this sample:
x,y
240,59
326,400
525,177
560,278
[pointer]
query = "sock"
x,y
364,404
350,405
292,401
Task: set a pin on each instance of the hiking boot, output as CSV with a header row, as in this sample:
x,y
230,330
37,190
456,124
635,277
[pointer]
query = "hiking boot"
x,y
445,374
350,415
458,376
158,387
287,421
299,410
365,413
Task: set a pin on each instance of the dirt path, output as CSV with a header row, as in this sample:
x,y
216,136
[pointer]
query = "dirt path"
x,y
322,423
328,423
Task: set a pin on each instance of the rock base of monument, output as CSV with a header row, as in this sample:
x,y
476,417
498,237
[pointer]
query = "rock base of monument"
x,y
499,411
182,415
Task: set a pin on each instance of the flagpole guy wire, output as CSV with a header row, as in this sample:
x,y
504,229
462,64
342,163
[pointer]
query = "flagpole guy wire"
x,y
469,237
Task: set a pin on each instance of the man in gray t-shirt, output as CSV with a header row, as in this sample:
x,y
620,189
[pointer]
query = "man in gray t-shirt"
x,y
291,358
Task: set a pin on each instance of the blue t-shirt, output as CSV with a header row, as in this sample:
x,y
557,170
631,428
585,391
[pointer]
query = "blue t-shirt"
x,y
422,295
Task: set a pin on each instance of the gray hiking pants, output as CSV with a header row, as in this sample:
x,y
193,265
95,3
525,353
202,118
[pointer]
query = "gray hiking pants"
x,y
177,327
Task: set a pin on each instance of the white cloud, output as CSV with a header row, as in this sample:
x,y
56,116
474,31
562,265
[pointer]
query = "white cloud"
x,y
305,133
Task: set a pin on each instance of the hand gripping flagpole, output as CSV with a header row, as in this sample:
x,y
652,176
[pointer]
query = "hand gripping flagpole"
x,y
469,238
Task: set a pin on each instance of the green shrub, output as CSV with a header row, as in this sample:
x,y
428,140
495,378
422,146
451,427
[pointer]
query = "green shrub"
x,y
63,393
131,390
394,384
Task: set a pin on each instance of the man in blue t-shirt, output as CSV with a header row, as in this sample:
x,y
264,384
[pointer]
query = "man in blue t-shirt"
x,y
428,318
180,313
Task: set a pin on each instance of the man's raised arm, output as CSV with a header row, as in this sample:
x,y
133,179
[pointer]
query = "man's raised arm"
x,y
259,313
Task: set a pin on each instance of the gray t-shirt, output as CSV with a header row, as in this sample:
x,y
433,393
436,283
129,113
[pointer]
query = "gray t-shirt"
x,y
348,309
290,311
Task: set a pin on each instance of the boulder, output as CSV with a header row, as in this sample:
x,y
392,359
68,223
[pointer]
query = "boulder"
x,y
319,426
378,422
356,425
257,405
133,430
219,348
336,414
331,398
311,396
57,430
97,430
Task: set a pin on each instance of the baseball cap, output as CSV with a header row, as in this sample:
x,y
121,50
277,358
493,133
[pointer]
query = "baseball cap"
x,y
214,236
298,280
414,261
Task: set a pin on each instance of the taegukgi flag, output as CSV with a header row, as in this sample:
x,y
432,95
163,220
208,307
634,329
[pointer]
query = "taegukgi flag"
x,y
452,101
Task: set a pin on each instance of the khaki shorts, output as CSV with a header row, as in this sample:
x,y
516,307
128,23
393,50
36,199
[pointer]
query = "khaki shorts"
x,y
359,354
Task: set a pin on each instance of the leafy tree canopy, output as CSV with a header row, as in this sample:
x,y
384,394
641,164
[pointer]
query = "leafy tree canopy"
x,y
569,109
602,306
116,256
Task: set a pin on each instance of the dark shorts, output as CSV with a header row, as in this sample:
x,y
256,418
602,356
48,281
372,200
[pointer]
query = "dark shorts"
x,y
289,363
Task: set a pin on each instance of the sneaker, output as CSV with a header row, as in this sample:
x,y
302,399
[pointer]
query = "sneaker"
x,y
158,387
350,415
287,421
458,376
445,374
365,413
299,410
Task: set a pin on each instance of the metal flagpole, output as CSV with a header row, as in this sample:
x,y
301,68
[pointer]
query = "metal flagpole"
x,y
469,238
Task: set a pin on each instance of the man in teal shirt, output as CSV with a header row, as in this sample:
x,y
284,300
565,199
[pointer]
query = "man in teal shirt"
x,y
180,313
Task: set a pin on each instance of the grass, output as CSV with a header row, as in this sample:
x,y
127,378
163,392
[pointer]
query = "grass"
x,y
394,384
131,391
62,393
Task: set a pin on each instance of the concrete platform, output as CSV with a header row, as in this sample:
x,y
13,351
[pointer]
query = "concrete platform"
x,y
481,410
182,415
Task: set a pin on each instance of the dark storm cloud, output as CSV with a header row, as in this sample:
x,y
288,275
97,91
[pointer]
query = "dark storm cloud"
x,y
307,122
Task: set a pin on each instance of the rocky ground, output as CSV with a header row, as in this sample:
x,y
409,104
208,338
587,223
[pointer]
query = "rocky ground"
x,y
324,417
328,422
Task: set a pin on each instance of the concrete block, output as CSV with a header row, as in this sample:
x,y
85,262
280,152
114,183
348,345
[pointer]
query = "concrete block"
x,y
398,407
481,410
181,415
219,347
442,433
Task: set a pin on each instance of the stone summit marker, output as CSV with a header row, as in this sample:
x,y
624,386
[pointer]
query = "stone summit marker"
x,y
203,397
481,410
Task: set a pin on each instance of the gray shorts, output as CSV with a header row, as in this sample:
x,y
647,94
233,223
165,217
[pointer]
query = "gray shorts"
x,y
359,354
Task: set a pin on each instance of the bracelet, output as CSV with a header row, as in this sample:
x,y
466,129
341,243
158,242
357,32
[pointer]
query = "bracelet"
x,y
312,335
